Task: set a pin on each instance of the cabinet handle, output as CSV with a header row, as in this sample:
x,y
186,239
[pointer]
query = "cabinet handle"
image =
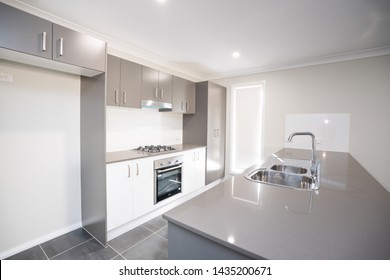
x,y
162,94
137,169
156,93
128,171
197,155
193,156
61,46
44,41
186,106
124,97
116,96
182,107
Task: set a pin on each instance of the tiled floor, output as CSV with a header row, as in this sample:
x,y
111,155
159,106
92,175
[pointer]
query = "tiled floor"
x,y
147,242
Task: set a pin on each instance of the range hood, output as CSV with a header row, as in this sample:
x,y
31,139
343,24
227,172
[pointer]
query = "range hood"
x,y
156,105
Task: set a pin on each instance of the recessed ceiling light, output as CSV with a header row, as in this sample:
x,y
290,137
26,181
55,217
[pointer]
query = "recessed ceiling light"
x,y
161,1
236,54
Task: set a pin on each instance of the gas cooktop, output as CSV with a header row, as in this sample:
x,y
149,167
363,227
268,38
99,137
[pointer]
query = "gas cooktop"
x,y
155,149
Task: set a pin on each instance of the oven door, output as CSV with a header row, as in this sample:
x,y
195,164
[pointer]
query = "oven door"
x,y
168,182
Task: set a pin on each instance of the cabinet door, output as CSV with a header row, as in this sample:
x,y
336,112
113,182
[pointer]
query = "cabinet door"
x,y
131,79
24,32
119,194
216,132
165,87
78,49
149,90
194,170
178,94
143,185
190,97
113,80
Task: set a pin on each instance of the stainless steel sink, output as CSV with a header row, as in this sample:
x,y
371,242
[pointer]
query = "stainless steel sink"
x,y
290,173
282,179
289,169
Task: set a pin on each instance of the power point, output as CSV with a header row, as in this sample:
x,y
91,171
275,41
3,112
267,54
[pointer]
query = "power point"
x,y
4,77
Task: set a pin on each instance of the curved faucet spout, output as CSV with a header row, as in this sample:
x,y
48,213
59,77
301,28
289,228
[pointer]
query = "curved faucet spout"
x,y
313,145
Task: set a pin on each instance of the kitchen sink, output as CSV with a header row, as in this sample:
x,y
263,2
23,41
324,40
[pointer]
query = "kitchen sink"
x,y
283,179
286,172
289,169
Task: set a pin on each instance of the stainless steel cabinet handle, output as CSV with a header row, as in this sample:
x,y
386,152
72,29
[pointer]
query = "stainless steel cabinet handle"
x,y
116,96
197,155
128,170
156,93
186,106
124,97
61,46
44,41
162,94
193,156
182,107
137,169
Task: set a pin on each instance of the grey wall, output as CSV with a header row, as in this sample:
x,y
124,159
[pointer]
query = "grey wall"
x,y
359,87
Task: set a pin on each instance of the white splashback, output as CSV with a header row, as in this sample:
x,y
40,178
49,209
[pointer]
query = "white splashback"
x,y
331,131
130,128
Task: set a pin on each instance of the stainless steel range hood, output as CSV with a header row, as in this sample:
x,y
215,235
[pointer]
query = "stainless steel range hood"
x,y
156,105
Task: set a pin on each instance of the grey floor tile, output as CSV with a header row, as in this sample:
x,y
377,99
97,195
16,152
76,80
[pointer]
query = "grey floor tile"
x,y
65,242
34,253
163,232
90,250
156,224
118,257
129,239
152,248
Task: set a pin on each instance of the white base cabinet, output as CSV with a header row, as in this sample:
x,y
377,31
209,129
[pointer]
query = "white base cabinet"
x,y
129,191
194,171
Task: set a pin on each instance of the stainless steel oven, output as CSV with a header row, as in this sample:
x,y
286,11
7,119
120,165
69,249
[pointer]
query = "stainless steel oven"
x,y
168,177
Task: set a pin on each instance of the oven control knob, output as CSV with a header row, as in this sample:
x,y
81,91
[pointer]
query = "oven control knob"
x,y
169,162
161,164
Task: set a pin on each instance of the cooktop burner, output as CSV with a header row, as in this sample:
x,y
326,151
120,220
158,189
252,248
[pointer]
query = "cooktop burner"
x,y
155,149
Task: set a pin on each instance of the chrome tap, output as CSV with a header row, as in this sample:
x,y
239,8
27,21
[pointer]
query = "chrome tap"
x,y
313,144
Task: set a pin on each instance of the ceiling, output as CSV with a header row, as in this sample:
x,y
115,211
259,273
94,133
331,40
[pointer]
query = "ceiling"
x,y
198,37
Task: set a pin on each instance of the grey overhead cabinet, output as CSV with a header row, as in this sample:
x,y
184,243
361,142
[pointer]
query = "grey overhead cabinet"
x,y
78,49
28,39
183,96
26,33
207,127
156,88
124,80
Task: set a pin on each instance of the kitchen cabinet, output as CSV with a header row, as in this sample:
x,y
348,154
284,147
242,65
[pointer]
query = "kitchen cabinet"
x,y
156,85
24,32
183,96
129,191
143,184
207,127
28,39
119,194
194,169
123,82
78,49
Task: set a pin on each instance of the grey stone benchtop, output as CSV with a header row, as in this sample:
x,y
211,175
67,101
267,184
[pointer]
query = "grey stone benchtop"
x,y
348,217
112,157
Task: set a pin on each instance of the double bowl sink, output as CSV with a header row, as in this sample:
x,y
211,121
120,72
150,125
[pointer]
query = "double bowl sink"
x,y
297,174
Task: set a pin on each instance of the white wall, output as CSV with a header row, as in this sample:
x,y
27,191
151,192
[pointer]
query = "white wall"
x,y
358,87
130,128
39,156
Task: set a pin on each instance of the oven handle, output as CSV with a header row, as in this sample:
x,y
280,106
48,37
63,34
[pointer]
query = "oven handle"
x,y
159,171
